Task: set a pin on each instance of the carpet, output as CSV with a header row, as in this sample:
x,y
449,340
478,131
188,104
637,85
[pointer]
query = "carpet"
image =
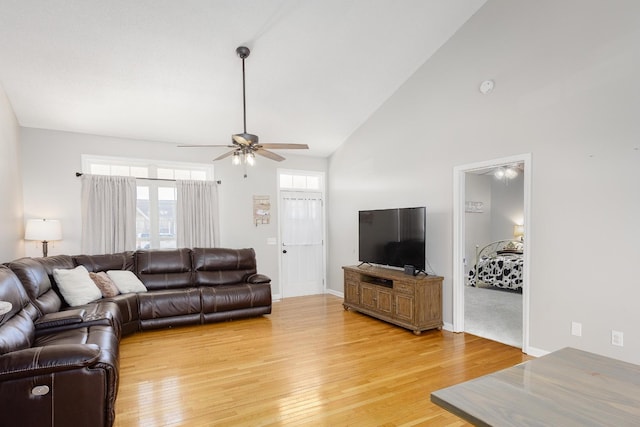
x,y
493,314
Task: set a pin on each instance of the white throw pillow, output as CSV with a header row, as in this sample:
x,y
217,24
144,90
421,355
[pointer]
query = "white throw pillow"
x,y
76,286
126,281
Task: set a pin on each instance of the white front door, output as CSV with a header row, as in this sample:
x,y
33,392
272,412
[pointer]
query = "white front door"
x,y
302,230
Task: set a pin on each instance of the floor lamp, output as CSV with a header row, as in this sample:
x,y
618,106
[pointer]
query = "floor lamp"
x,y
44,230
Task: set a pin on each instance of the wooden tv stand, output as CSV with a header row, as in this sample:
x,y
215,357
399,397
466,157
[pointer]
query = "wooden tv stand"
x,y
413,302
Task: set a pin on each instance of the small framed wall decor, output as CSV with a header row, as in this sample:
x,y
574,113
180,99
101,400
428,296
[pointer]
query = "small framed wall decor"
x,y
474,207
261,210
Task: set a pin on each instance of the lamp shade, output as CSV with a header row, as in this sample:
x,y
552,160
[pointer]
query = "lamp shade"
x,y
43,230
518,231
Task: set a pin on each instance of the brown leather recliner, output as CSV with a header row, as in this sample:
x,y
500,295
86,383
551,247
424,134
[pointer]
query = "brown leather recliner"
x,y
59,377
229,284
36,276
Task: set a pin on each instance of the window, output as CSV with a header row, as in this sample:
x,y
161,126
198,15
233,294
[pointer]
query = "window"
x,y
156,197
299,181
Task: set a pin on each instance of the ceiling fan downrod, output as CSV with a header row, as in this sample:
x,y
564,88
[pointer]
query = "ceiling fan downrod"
x,y
243,52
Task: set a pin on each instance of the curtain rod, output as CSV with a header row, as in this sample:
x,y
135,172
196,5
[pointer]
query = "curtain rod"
x,y
78,174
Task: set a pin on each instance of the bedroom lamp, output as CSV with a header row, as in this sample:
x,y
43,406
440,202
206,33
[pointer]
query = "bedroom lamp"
x,y
44,230
518,232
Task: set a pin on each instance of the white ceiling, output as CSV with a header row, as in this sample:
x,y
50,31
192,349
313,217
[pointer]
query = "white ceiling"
x,y
166,70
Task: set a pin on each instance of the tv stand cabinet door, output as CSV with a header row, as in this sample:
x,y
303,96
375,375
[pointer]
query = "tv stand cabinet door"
x,y
351,292
385,301
404,307
369,296
376,299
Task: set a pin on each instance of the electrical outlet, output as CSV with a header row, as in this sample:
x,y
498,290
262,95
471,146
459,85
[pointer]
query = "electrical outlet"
x,y
576,329
617,338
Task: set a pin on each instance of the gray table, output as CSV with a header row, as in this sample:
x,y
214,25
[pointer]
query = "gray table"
x,y
568,387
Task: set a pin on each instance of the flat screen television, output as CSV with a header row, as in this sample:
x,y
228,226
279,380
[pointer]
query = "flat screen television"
x,y
393,237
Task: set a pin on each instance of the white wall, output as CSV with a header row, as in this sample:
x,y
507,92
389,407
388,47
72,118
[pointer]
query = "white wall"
x,y
51,189
507,200
566,91
477,224
11,223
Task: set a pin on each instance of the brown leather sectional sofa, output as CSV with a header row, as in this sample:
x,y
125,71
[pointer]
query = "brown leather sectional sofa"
x,y
59,365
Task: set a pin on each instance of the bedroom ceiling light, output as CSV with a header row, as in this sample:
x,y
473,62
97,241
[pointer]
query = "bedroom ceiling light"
x,y
505,173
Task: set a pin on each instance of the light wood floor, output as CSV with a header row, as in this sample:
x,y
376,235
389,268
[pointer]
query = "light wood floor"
x,y
308,363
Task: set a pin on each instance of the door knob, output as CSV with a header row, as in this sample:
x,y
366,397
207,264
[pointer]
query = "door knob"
x,y
284,251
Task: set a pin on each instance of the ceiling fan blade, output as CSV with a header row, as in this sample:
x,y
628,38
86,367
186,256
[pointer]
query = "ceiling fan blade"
x,y
269,154
240,140
285,146
198,145
227,154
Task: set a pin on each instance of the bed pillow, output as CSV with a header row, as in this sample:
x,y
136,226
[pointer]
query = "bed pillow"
x,y
76,286
126,281
105,284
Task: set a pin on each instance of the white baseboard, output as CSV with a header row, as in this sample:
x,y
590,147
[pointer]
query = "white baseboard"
x,y
448,326
536,352
336,293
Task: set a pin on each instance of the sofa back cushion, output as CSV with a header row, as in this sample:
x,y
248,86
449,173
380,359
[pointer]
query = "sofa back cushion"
x,y
17,331
220,266
36,281
164,269
96,263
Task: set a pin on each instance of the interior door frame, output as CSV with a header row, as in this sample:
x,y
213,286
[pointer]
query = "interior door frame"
x,y
323,191
459,239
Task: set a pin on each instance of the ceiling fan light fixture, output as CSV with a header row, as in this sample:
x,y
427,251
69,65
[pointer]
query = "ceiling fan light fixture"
x,y
235,159
251,159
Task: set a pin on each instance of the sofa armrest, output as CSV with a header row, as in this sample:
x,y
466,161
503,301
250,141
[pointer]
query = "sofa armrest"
x,y
258,278
45,360
60,318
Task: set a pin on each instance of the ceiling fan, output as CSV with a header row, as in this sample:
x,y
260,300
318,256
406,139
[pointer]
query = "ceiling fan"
x,y
245,145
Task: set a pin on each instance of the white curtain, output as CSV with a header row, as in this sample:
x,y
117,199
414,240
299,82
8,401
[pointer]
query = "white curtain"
x,y
108,214
197,214
303,219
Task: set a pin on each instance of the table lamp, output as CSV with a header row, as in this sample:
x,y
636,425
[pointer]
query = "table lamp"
x,y
518,232
44,230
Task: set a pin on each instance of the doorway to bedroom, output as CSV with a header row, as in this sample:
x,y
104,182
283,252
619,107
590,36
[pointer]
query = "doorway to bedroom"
x,y
490,249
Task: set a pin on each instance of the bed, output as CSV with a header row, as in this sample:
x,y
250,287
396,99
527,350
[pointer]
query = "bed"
x,y
498,264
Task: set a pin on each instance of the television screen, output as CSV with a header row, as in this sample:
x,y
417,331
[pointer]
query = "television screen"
x,y
394,237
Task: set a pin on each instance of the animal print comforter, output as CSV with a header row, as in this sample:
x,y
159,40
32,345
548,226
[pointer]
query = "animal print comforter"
x,y
502,271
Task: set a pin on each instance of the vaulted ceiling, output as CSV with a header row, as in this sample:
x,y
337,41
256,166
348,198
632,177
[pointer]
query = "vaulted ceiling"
x,y
166,70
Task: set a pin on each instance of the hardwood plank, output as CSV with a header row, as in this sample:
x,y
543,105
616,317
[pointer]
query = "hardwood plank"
x,y
308,363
